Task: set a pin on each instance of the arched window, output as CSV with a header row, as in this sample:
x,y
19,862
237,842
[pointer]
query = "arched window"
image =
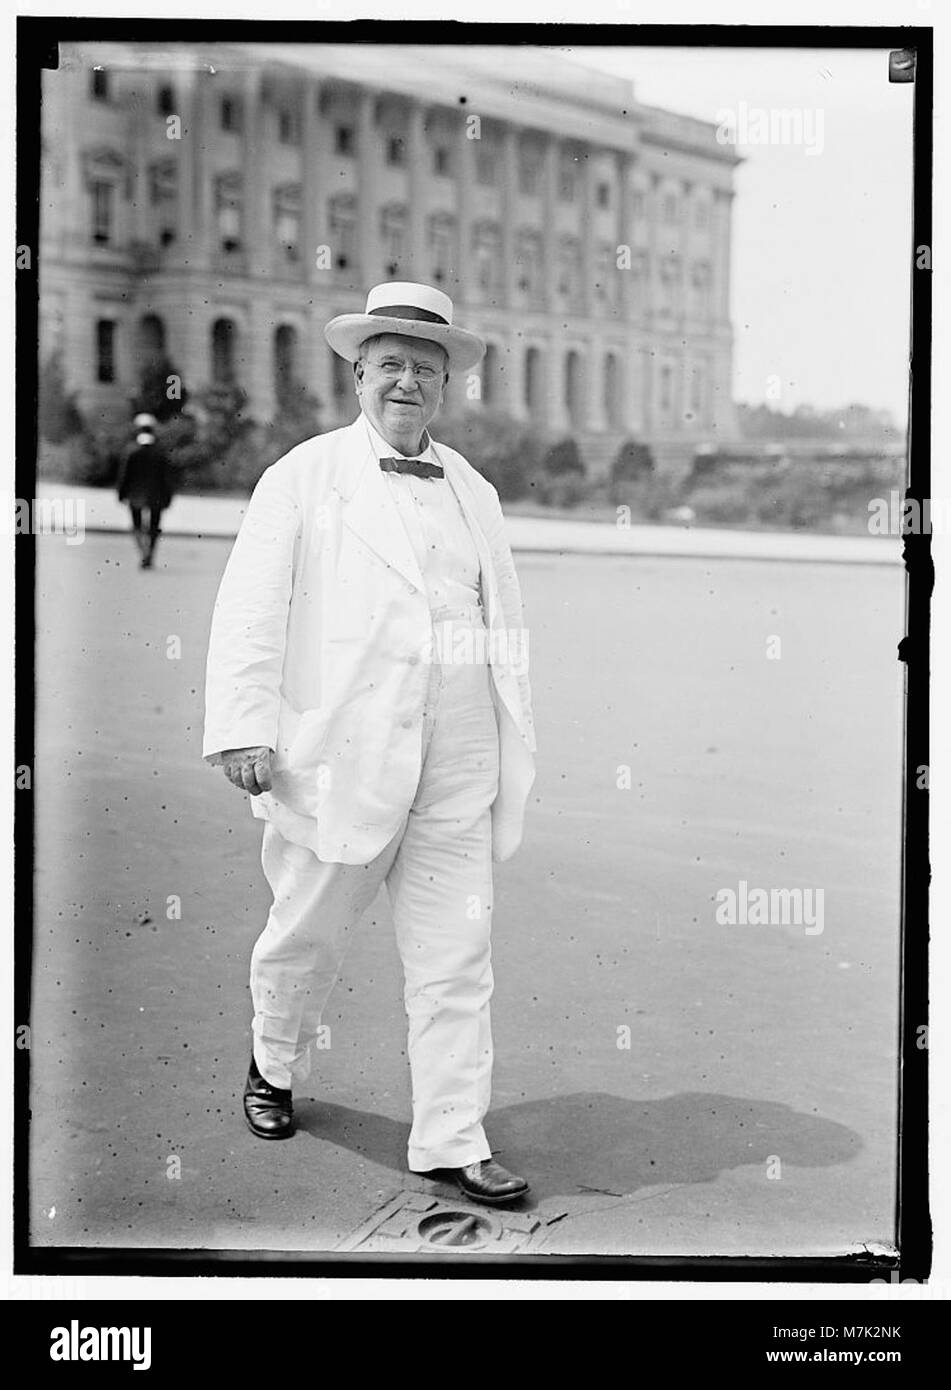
x,y
612,391
572,396
150,340
285,360
223,351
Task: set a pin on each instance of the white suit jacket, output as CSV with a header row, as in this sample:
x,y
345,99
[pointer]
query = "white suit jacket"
x,y
315,646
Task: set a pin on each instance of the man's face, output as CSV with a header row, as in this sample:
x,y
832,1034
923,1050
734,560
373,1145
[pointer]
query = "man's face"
x,y
400,384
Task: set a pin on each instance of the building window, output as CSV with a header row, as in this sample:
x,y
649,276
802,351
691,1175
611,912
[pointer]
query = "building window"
x,y
288,126
605,283
442,161
529,277
228,211
285,361
343,231
393,229
102,194
163,195
345,140
696,392
487,248
570,274
670,277
396,151
603,195
612,391
486,166
568,179
165,100
105,350
223,337
533,381
150,341
573,392
231,114
287,220
442,237
99,85
666,392
529,171
670,210
700,283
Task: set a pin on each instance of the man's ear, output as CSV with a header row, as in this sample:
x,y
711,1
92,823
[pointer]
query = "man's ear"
x,y
358,371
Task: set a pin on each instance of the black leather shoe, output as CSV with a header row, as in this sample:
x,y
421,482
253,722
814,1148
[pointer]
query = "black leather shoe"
x,y
488,1182
267,1109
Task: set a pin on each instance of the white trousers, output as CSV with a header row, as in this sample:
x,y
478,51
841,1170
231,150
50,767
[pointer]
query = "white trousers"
x,y
438,874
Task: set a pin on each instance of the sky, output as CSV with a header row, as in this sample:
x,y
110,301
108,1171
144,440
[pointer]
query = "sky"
x,y
822,257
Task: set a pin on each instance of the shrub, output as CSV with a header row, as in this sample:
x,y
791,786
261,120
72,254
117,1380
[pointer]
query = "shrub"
x,y
563,457
632,462
504,450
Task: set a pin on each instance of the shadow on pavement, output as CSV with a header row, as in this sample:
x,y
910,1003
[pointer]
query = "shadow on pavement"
x,y
591,1141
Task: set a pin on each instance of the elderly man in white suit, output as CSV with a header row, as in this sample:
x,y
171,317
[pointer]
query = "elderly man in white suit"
x,y
367,684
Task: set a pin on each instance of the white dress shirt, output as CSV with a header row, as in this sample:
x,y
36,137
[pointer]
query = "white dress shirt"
x,y
437,529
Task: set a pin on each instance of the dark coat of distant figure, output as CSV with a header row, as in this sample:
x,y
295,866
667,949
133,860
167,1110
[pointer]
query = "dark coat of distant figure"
x,y
145,477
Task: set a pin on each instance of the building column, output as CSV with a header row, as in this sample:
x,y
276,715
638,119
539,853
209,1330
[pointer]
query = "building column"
x,y
256,213
632,390
368,217
195,212
553,375
625,233
465,183
509,213
256,370
589,246
141,218
419,170
514,360
722,208
314,211
593,386
552,155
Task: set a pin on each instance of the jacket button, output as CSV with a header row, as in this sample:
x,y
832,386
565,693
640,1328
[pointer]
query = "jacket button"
x,y
413,660
407,723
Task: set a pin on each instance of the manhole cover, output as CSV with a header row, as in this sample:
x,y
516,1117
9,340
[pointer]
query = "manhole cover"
x,y
416,1222
458,1229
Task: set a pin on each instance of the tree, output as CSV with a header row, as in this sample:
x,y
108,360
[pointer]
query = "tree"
x,y
58,417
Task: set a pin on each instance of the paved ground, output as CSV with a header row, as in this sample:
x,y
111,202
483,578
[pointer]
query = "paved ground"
x,y
100,510
752,1111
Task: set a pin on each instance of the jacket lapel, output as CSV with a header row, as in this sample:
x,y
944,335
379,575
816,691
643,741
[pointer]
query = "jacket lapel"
x,y
369,510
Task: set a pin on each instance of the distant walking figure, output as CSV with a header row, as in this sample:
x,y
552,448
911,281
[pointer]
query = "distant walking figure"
x,y
145,480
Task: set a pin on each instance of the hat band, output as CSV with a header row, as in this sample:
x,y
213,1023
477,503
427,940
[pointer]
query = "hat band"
x,y
407,311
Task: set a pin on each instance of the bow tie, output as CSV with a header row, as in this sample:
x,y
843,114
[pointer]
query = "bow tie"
x,y
418,467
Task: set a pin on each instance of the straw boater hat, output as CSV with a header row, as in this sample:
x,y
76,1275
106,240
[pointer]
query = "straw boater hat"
x,y
416,311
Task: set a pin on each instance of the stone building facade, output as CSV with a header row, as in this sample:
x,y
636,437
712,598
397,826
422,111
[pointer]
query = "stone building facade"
x,y
219,203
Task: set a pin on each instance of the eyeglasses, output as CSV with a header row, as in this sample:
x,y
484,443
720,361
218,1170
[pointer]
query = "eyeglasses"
x,y
393,367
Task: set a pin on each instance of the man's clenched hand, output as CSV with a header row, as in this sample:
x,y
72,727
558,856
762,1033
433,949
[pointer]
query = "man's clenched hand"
x,y
249,769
